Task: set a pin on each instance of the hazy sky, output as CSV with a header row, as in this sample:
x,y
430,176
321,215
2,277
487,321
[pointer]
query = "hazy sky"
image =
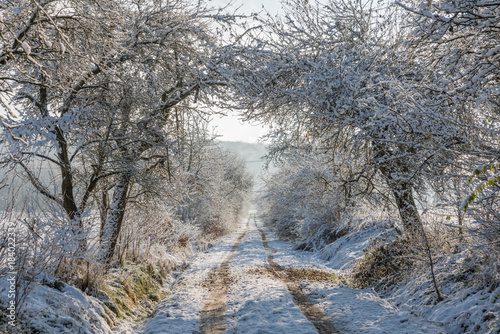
x,y
231,128
249,6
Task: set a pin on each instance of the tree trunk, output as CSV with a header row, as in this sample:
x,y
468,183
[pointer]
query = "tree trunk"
x,y
410,217
68,198
114,218
460,214
103,213
405,203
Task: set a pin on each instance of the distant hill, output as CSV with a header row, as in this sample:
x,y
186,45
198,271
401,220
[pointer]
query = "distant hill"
x,y
253,154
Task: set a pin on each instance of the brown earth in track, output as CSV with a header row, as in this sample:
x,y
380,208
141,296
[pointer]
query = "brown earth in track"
x,y
298,274
212,317
313,312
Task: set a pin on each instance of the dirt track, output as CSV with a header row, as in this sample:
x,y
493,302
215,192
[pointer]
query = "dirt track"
x,y
213,315
312,311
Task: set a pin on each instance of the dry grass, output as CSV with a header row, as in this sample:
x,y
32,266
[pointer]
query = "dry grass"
x,y
299,274
215,278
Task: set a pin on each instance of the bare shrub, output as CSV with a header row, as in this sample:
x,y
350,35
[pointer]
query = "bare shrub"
x,y
384,262
44,244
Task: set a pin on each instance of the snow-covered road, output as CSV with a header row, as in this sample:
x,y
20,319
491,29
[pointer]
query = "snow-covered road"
x,y
241,286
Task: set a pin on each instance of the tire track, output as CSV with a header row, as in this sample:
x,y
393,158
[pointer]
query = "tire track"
x,y
213,315
313,312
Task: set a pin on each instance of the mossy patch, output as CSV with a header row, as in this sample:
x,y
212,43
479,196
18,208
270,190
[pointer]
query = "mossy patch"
x,y
132,291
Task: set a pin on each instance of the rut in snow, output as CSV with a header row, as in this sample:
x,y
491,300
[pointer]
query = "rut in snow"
x,y
312,311
212,317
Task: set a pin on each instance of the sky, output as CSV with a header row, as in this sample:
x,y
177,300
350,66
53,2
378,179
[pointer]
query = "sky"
x,y
249,6
230,128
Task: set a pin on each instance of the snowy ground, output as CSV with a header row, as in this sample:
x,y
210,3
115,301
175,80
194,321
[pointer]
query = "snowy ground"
x,y
60,310
239,285
257,302
180,313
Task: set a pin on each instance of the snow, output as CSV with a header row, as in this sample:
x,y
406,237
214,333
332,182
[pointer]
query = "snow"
x,y
345,251
26,47
180,313
256,303
352,310
466,308
260,303
67,310
263,305
340,254
363,311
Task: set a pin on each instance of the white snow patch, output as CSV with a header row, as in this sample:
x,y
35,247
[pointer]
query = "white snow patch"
x,y
180,312
363,311
351,310
68,310
345,251
260,305
466,308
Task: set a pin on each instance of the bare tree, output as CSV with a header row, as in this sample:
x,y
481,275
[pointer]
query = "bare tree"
x,y
460,42
93,90
332,74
